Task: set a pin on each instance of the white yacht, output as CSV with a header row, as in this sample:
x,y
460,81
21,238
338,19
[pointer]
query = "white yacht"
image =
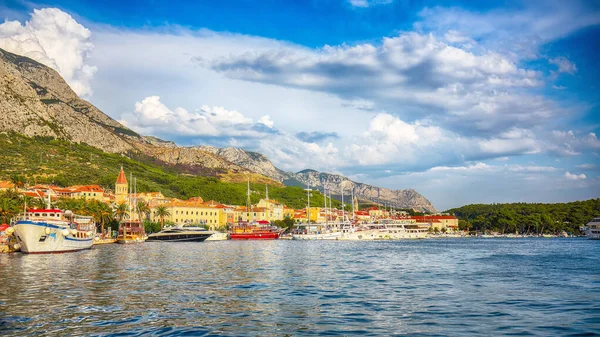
x,y
592,229
398,230
181,234
48,231
318,236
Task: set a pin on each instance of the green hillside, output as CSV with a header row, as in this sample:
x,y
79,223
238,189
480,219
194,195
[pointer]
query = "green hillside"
x,y
528,217
48,160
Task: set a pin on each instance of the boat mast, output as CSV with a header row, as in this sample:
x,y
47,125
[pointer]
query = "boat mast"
x,y
135,198
330,208
267,203
343,216
49,202
248,202
130,195
352,203
308,206
325,202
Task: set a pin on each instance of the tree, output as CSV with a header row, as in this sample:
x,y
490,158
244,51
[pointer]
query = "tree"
x,y
122,212
105,215
143,211
8,209
162,212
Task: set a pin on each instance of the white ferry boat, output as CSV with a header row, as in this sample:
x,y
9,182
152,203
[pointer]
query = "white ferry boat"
x,y
48,231
398,230
592,229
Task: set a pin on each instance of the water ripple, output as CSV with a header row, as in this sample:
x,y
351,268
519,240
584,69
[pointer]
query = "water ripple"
x,y
459,287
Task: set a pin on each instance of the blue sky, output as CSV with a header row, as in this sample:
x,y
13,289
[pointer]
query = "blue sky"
x,y
464,101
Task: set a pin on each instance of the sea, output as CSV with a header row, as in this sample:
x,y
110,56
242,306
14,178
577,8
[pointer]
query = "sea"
x,y
433,287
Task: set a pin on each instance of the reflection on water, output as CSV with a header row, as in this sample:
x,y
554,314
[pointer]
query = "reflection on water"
x,y
274,288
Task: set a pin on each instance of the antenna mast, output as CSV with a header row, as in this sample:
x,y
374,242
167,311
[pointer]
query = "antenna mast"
x,y
308,206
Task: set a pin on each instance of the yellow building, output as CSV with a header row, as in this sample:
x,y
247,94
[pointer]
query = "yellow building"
x,y
193,213
121,187
274,209
253,214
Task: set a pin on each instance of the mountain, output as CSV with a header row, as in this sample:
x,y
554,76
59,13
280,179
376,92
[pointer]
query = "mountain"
x,y
36,101
259,163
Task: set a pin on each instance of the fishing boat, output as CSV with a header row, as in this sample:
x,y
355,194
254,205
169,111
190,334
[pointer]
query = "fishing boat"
x,y
260,230
592,229
181,234
131,230
41,231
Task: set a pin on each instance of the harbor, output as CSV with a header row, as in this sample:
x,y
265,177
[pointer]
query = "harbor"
x,y
52,230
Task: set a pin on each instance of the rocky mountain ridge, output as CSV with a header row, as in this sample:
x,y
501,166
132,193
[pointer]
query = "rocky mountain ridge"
x,y
259,163
36,101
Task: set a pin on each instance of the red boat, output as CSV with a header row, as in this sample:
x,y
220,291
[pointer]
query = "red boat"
x,y
261,230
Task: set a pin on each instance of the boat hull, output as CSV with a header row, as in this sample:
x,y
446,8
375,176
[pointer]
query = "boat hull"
x,y
43,238
218,236
130,240
318,236
592,234
254,236
179,237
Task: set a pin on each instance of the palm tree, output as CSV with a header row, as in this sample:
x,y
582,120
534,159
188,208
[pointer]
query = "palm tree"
x,y
105,214
142,209
8,209
122,212
162,212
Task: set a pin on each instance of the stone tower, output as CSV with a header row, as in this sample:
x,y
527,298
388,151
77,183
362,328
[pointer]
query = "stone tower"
x,y
121,188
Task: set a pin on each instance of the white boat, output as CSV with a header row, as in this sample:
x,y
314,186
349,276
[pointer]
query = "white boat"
x,y
48,231
592,229
359,232
319,235
218,236
181,234
398,230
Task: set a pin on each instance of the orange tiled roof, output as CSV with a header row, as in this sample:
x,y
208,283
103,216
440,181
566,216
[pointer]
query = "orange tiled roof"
x,y
90,188
6,184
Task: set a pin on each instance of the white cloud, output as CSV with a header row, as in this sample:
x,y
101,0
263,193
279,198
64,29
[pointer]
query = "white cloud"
x,y
151,116
266,120
564,65
422,74
516,33
587,166
54,38
571,176
389,139
290,153
570,143
368,3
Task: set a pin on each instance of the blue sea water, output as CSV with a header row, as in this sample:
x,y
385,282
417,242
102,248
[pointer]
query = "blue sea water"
x,y
437,287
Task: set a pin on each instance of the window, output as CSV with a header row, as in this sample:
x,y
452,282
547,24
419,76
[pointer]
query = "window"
x,y
176,212
196,212
186,212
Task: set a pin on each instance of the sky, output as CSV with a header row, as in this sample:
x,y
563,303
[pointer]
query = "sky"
x,y
463,101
